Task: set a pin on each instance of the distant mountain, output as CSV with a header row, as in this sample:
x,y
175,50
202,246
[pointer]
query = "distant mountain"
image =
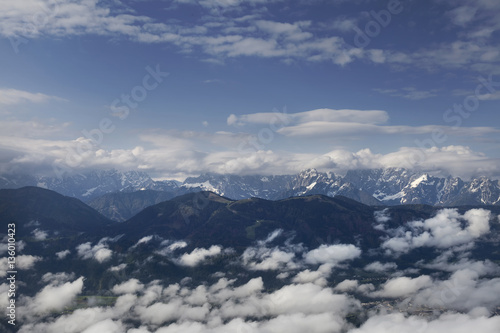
x,y
37,208
120,206
391,186
90,185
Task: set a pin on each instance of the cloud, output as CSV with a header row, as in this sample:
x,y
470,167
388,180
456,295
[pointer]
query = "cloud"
x,y
347,285
99,252
62,254
397,322
402,286
23,262
321,115
253,34
318,277
462,15
108,326
262,257
143,240
199,255
40,235
57,278
117,268
442,231
13,96
55,297
379,267
332,254
131,286
169,247
345,122
410,93
246,156
463,291
489,97
339,129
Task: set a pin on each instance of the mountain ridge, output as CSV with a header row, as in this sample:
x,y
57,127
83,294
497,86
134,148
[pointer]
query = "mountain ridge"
x,y
109,190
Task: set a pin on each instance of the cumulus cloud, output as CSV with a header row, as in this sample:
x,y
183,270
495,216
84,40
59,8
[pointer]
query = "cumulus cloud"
x,y
402,286
54,297
397,322
442,231
263,258
463,291
99,252
23,262
117,268
332,254
39,235
377,266
235,153
347,285
57,278
199,255
128,287
318,277
219,307
62,254
168,247
27,261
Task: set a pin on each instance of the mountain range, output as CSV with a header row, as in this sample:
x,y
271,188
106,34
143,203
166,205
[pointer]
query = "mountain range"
x,y
121,195
201,242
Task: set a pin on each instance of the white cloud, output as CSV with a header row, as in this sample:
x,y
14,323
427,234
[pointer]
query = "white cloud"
x,y
490,97
143,240
199,255
23,262
39,235
318,277
117,268
397,322
442,231
402,286
62,254
462,15
410,93
189,156
168,247
26,261
263,259
377,266
99,252
55,297
280,119
57,278
108,326
131,286
347,285
463,291
13,96
332,254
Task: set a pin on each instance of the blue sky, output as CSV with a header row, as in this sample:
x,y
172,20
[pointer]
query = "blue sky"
x,y
253,86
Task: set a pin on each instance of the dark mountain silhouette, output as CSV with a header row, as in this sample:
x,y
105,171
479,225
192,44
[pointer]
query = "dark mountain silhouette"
x,y
48,210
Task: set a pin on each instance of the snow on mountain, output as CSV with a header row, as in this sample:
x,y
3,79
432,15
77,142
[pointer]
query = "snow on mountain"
x,y
389,186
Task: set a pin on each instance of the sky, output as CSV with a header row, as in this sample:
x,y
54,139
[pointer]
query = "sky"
x,y
179,88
